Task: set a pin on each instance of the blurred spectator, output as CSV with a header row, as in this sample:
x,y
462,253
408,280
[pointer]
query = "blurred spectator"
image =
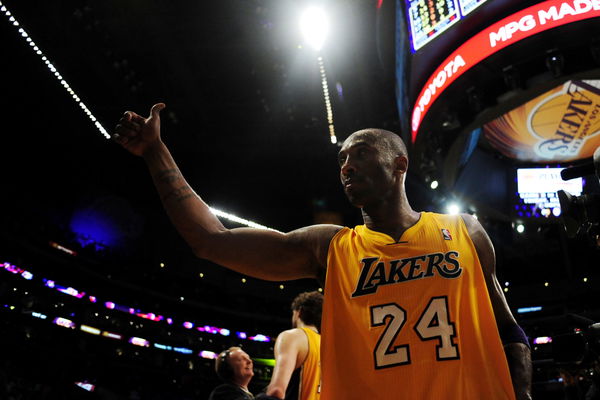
x,y
234,366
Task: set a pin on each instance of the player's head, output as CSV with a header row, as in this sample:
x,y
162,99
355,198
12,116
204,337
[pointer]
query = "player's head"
x,y
307,307
373,164
234,365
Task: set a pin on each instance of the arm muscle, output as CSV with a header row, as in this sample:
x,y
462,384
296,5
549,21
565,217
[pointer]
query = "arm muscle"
x,y
517,354
261,253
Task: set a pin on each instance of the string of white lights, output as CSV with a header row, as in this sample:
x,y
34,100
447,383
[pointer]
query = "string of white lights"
x,y
238,220
327,101
87,111
53,70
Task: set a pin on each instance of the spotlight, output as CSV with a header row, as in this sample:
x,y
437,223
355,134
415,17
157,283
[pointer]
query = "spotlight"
x,y
453,209
555,63
520,228
434,184
315,26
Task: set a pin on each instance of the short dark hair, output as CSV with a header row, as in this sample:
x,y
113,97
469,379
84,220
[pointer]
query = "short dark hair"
x,y
310,305
386,140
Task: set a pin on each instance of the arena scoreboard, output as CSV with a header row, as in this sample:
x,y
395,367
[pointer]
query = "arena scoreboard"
x,y
430,18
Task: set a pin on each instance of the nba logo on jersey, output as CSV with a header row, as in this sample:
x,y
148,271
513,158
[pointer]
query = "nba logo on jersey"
x,y
446,234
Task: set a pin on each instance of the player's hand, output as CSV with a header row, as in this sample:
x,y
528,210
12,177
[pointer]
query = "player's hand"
x,y
136,133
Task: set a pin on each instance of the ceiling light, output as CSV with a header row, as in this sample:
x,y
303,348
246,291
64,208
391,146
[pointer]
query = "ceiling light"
x,y
453,209
314,26
520,228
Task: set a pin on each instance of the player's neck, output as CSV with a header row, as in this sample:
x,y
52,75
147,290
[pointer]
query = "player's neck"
x,y
301,324
391,217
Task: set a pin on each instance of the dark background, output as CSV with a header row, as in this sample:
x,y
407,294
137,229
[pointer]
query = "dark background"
x,y
246,121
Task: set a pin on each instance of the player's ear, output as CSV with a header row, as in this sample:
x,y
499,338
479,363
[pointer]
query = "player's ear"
x,y
401,163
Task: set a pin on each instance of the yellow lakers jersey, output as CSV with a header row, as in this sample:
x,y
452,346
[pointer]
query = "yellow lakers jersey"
x,y
310,375
410,319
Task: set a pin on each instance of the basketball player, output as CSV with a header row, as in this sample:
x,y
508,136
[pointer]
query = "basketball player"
x,y
412,306
297,372
235,368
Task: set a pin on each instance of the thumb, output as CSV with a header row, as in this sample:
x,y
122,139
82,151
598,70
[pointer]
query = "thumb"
x,y
156,109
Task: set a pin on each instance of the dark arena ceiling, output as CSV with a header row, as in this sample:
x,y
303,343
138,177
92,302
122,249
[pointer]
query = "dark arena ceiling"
x,y
245,116
247,122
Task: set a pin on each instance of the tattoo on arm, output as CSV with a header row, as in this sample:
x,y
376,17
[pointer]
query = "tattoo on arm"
x,y
180,194
168,175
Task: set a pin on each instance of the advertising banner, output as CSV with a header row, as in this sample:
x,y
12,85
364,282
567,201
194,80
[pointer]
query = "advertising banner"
x,y
508,31
563,124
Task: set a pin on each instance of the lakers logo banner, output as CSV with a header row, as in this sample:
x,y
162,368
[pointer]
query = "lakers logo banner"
x,y
560,125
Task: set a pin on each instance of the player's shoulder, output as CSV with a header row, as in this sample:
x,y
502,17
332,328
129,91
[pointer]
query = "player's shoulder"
x,y
469,220
478,235
293,335
317,237
472,224
445,216
316,232
325,231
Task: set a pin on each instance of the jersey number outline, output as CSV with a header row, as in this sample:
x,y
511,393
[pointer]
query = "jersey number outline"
x,y
434,323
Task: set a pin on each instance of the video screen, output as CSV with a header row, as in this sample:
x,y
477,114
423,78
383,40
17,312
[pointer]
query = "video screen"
x,y
430,18
536,191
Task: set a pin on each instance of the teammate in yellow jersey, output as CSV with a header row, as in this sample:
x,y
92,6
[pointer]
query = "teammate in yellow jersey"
x,y
297,372
412,307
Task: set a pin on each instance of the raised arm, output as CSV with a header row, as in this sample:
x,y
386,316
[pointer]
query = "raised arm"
x,y
260,253
291,348
517,350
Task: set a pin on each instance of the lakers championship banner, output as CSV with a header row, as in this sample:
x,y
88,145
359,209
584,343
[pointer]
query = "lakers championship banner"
x,y
560,125
510,30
